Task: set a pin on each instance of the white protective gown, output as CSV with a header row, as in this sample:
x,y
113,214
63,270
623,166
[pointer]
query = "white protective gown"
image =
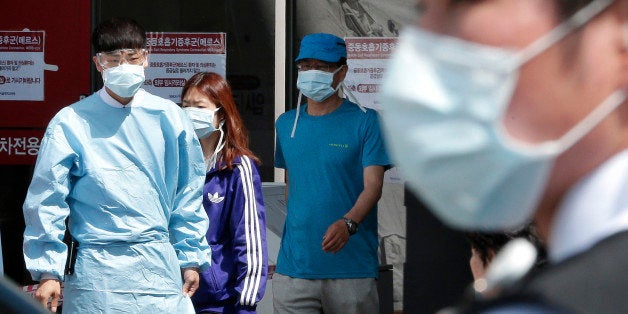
x,y
130,179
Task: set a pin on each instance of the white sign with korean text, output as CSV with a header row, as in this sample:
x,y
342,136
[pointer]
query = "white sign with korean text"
x,y
175,57
366,59
22,65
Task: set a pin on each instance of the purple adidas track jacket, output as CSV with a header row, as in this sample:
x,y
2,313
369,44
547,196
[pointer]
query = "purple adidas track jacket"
x,y
236,280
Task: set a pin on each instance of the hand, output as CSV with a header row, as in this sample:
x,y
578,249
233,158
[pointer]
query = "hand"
x,y
190,280
49,288
336,237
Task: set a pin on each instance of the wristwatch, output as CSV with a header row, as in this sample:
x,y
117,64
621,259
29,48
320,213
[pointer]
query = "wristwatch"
x,y
352,226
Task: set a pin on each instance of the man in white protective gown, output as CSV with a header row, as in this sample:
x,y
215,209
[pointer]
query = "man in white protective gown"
x,y
124,171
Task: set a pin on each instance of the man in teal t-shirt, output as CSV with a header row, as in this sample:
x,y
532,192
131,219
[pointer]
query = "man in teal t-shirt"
x,y
334,156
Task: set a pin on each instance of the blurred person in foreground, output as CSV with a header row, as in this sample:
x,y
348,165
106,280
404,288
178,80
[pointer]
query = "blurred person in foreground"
x,y
232,198
127,170
506,111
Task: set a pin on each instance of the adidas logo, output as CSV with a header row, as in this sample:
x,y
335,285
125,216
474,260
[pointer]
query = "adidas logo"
x,y
214,198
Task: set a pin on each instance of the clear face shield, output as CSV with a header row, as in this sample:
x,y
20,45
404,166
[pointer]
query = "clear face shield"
x,y
117,57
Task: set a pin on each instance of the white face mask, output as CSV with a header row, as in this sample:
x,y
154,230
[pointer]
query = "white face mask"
x,y
124,80
443,101
202,120
316,84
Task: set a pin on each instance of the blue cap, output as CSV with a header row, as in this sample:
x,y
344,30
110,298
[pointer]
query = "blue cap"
x,y
324,47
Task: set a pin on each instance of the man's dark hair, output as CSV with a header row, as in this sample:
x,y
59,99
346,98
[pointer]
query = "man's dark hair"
x,y
118,33
488,244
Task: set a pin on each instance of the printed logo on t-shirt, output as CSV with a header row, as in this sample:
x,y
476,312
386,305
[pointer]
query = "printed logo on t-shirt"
x,y
214,198
338,145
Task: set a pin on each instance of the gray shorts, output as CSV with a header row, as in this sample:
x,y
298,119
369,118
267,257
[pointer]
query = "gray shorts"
x,y
330,296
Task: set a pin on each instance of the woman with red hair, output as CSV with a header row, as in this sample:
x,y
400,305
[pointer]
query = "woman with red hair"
x,y
232,198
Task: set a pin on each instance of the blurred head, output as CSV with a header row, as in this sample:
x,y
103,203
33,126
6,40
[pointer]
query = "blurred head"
x,y
208,90
530,94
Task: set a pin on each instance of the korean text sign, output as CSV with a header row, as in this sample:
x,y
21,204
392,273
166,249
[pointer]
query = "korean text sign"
x,y
175,57
22,65
366,59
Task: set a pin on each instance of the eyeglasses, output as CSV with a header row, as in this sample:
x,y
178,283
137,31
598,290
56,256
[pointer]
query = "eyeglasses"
x,y
114,58
318,67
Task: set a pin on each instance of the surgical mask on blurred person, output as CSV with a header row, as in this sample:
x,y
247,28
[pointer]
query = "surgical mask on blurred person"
x,y
443,102
202,120
316,84
124,80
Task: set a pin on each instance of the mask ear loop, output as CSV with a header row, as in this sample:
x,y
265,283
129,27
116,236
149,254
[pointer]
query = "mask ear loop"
x,y
576,21
347,91
296,118
214,158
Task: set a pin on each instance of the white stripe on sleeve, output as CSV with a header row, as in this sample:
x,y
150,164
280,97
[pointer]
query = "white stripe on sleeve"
x,y
253,236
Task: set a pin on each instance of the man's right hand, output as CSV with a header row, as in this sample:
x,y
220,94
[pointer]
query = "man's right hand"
x,y
49,288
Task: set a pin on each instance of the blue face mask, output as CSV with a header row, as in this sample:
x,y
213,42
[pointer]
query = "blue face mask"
x,y
316,85
443,102
202,120
124,80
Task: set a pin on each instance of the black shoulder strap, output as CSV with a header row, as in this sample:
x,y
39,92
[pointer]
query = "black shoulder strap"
x,y
592,282
595,281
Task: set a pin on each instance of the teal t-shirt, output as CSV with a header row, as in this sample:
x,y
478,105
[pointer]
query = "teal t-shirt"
x,y
325,161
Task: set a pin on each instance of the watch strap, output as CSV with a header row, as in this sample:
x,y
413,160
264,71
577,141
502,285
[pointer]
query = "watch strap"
x,y
352,226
